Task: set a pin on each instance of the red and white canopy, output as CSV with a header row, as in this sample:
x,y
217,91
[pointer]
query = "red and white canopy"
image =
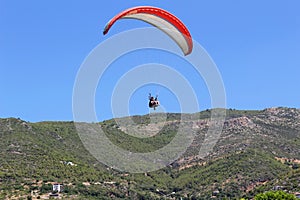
x,y
161,19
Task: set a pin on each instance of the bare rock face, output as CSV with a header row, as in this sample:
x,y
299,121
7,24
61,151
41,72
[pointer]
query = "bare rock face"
x,y
274,130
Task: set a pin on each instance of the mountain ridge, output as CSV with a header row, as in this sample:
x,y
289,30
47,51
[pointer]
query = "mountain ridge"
x,y
268,139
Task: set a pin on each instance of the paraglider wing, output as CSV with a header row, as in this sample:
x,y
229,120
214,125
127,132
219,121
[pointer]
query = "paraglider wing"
x,y
161,19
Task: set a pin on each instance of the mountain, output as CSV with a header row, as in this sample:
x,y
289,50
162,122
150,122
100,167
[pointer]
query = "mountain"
x,y
256,151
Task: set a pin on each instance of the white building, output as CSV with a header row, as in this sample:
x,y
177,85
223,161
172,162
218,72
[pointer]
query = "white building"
x,y
56,187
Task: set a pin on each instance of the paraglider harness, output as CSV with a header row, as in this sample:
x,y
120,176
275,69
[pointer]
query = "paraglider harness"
x,y
153,102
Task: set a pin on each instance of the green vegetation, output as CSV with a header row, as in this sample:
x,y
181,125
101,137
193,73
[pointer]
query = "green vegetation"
x,y
135,144
278,195
258,151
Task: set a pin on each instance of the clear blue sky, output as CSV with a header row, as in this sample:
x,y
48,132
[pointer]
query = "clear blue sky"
x,y
255,44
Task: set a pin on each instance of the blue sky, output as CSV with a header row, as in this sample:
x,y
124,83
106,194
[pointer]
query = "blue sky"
x,y
255,45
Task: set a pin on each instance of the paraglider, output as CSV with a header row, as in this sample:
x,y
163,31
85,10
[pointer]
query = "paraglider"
x,y
161,19
153,102
164,21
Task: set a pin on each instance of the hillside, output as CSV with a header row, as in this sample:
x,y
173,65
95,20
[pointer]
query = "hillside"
x,y
257,151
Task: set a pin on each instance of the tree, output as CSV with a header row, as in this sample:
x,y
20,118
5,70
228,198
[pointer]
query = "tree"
x,y
278,195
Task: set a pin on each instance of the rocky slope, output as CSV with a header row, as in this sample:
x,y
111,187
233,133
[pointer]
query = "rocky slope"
x,y
256,151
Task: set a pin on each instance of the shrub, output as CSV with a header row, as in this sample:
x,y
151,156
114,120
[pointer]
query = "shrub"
x,y
271,195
